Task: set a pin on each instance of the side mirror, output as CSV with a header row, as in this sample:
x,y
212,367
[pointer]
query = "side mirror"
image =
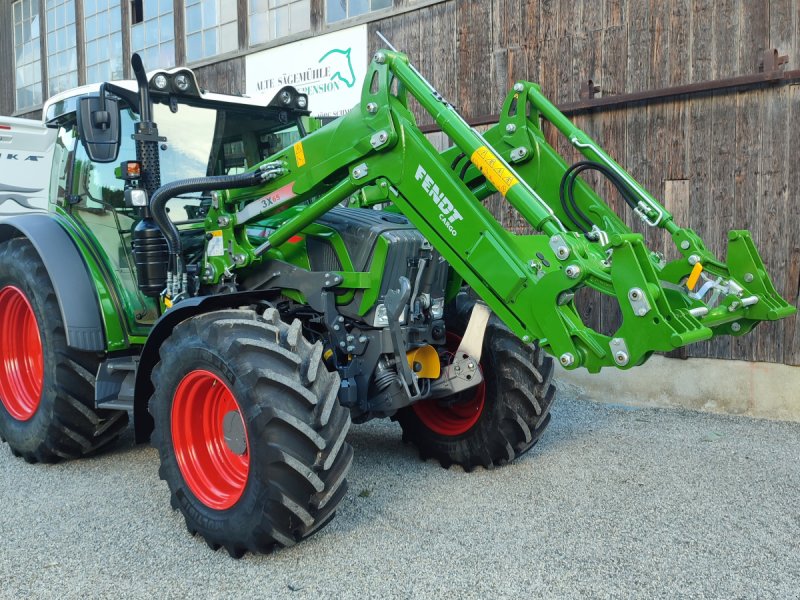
x,y
98,124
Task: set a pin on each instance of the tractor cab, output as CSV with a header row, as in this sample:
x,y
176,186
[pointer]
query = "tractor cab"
x,y
199,134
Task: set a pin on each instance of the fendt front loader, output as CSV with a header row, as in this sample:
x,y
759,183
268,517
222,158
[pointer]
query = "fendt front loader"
x,y
246,283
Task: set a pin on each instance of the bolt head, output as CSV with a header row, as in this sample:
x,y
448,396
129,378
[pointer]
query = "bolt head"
x,y
736,326
685,245
511,128
694,259
635,294
518,87
566,359
380,58
748,278
621,358
372,108
573,271
563,252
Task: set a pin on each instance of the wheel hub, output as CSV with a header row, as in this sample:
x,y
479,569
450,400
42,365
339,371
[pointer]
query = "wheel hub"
x,y
233,429
21,360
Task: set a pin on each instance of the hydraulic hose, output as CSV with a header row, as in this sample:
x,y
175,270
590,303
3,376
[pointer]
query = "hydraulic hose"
x,y
567,190
158,202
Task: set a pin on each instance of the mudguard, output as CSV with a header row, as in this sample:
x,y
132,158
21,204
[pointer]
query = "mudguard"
x,y
73,285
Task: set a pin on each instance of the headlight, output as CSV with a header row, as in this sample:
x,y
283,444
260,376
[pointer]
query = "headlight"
x,y
135,197
160,81
302,102
182,82
286,97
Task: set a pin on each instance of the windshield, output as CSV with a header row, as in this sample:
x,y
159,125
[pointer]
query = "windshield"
x,y
200,141
205,141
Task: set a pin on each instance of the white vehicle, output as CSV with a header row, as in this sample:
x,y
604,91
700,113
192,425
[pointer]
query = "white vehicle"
x,y
26,155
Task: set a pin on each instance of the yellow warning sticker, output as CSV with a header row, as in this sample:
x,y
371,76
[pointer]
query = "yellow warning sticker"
x,y
299,154
493,169
216,244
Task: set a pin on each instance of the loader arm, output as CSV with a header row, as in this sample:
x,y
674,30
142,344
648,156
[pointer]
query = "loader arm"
x,y
376,154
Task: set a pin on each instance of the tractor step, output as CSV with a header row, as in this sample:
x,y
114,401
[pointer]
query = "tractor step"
x,y
116,379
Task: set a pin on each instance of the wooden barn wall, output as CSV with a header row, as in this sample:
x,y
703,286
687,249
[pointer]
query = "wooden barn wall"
x,y
225,77
718,161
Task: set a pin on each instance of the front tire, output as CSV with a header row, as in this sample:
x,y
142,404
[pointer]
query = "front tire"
x,y
46,388
498,420
249,430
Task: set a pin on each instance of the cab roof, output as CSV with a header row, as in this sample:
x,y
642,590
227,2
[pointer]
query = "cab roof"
x,y
66,102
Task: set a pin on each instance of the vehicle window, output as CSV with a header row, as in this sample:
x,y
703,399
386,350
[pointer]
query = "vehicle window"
x,y
96,184
200,142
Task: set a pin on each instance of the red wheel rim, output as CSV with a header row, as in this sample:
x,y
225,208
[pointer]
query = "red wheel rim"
x,y
457,418
21,361
215,474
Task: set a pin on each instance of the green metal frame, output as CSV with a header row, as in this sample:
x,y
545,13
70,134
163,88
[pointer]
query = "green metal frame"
x,y
376,154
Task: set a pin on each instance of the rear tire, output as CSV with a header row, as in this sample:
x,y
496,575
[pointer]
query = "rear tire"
x,y
501,418
46,388
249,430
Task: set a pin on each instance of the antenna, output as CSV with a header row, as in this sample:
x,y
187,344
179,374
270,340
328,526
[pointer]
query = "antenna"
x,y
387,42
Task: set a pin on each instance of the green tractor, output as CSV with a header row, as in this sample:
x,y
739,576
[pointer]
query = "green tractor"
x,y
246,283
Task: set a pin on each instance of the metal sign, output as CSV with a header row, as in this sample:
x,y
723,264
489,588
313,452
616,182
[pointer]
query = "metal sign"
x,y
329,68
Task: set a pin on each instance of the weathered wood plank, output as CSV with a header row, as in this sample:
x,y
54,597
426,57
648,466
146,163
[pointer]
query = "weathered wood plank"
x,y
753,35
702,67
721,217
659,44
747,161
444,75
791,345
781,26
680,32
613,15
474,57
726,37
549,18
593,17
772,210
700,153
639,45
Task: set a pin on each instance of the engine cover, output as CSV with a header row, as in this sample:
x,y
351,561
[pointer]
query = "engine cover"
x,y
377,241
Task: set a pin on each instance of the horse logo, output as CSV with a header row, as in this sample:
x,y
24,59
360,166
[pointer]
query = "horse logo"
x,y
342,66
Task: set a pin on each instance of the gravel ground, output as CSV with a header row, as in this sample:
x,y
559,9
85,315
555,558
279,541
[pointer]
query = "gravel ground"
x,y
613,502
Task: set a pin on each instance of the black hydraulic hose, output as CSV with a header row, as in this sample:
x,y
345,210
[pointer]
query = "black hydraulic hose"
x,y
567,190
158,203
457,160
464,170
